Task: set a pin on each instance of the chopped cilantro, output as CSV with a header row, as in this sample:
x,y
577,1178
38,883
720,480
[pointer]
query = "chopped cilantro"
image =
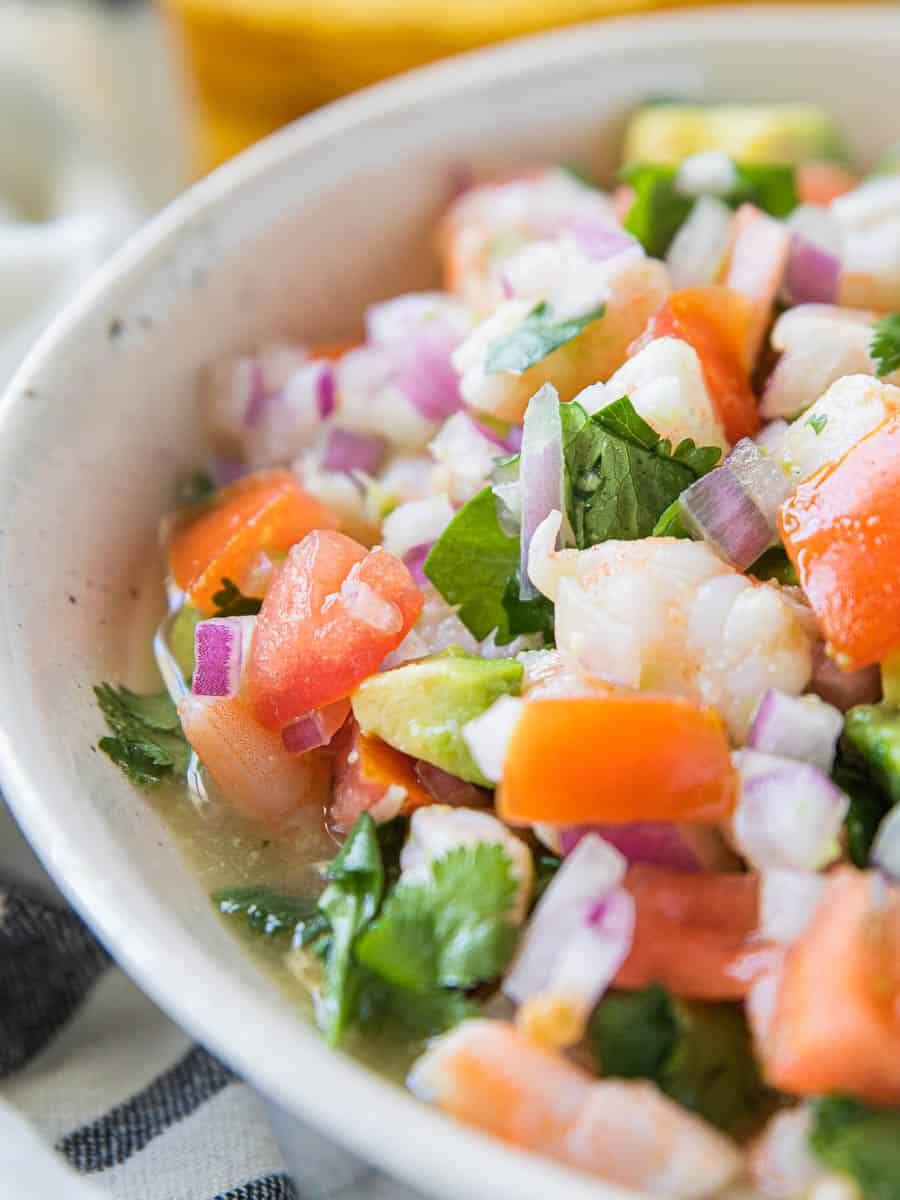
x,y
274,915
817,423
622,477
391,1012
672,523
230,601
475,564
545,868
868,807
862,1142
537,336
147,741
885,344
699,1054
195,489
452,930
527,616
775,564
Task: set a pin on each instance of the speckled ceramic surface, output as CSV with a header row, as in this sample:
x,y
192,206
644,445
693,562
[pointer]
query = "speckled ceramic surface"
x,y
297,236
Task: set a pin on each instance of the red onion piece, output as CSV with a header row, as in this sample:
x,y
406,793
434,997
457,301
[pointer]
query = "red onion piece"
x,y
346,451
805,729
541,474
886,847
735,507
587,877
220,649
589,960
658,842
414,561
843,689
315,729
511,441
256,401
226,470
812,275
787,901
325,391
789,813
448,789
427,377
488,736
599,242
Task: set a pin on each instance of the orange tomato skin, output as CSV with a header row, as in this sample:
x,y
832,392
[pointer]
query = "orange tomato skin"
x,y
365,769
841,529
617,758
692,932
309,648
820,182
267,511
836,1023
715,321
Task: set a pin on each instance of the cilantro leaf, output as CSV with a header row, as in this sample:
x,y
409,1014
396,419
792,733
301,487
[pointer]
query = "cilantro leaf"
x,y
545,869
273,915
537,336
817,423
452,930
872,736
659,209
389,1012
775,564
671,523
147,741
885,345
849,1137
474,564
622,477
351,899
528,616
699,1054
230,601
195,489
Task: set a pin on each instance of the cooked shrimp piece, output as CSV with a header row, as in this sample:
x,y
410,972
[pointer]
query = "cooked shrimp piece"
x,y
819,344
631,287
665,383
249,763
436,830
667,615
488,223
488,1074
850,409
551,674
869,218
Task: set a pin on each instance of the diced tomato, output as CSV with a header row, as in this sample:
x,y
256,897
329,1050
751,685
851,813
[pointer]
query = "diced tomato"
x,y
841,529
249,764
262,513
617,758
692,932
373,777
836,1021
820,182
329,619
755,267
716,322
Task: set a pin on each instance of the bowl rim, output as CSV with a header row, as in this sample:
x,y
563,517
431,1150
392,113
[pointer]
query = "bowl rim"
x,y
342,1085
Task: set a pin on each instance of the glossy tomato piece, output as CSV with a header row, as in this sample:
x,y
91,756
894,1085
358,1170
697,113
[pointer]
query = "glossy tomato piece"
x,y
371,776
616,759
693,932
841,529
836,1021
328,621
266,512
249,764
820,181
716,322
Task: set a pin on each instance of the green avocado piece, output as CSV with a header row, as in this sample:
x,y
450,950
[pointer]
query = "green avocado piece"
x,y
671,131
421,707
873,731
181,638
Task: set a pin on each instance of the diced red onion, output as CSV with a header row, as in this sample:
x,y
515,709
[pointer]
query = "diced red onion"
x,y
414,561
789,814
449,789
511,441
347,451
787,901
658,842
316,728
735,507
886,847
812,275
541,474
256,400
599,242
843,689
325,391
698,249
488,736
590,957
226,470
426,375
221,646
587,877
806,729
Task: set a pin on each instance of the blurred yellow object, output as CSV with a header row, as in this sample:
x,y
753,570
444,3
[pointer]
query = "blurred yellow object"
x,y
254,65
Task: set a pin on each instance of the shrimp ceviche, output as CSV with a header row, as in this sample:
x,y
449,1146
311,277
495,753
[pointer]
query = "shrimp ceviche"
x,y
535,660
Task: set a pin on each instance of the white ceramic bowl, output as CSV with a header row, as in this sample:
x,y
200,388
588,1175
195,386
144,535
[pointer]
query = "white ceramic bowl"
x,y
297,236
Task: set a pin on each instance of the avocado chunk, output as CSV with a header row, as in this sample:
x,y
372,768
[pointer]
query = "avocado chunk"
x,y
421,707
181,638
873,731
671,131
